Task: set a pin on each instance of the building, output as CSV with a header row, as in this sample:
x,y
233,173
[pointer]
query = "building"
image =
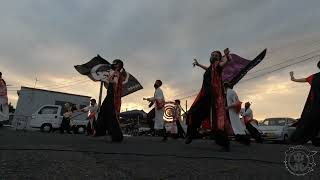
x,y
31,99
136,117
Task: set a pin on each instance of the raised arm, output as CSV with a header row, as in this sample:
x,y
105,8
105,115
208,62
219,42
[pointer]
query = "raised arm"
x,y
302,80
196,63
151,99
226,58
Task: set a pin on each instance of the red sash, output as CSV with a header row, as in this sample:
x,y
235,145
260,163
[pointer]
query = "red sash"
x,y
247,119
238,107
92,116
160,104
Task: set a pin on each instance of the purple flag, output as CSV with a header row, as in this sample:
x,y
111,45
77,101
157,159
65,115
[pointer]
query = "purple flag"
x,y
238,67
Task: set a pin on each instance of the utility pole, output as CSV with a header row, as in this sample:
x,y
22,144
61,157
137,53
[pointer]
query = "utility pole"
x,y
35,83
100,94
186,105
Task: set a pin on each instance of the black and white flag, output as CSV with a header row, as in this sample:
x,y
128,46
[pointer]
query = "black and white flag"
x,y
99,69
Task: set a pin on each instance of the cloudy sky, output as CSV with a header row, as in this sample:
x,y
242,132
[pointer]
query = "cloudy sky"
x,y
157,40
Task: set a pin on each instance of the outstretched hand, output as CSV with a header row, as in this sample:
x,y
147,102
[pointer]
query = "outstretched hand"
x,y
292,75
146,99
226,52
195,62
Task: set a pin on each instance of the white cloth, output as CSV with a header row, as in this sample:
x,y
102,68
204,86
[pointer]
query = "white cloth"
x,y
237,125
92,110
158,119
249,115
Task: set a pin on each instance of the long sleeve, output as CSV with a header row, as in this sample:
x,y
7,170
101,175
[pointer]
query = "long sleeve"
x,y
86,109
247,113
235,99
232,98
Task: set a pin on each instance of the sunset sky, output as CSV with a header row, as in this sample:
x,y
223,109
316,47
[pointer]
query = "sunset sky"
x,y
157,39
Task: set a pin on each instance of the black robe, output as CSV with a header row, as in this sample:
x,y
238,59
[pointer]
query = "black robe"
x,y
308,126
107,117
206,101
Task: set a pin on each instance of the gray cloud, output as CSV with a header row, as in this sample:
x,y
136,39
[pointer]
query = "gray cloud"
x,y
156,39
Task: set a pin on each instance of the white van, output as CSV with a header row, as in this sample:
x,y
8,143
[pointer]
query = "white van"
x,y
49,117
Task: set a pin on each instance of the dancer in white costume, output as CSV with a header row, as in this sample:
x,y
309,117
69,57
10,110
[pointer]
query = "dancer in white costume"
x,y
159,102
234,107
251,126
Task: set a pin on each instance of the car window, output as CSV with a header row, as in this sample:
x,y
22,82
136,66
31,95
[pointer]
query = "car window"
x,y
291,121
268,123
49,110
281,122
274,122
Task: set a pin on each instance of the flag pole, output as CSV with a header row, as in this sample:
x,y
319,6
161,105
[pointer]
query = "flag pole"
x,y
186,105
100,94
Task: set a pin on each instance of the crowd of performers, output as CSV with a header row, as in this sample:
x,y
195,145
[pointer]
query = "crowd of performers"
x,y
217,107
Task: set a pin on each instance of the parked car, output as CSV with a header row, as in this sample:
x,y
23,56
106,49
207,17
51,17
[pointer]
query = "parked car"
x,y
49,117
277,129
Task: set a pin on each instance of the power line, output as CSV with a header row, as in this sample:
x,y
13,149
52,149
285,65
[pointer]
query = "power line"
x,y
311,45
64,84
56,86
276,90
183,94
245,80
61,86
304,60
312,52
70,85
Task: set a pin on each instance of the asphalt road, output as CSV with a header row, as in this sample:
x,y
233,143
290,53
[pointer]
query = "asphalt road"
x,y
35,155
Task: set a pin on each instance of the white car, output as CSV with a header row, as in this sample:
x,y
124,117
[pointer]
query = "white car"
x,y
277,129
49,117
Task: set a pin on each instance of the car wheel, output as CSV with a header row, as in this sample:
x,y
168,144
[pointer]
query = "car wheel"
x,y
46,128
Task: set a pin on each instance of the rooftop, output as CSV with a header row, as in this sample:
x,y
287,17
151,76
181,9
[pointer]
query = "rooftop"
x,y
35,89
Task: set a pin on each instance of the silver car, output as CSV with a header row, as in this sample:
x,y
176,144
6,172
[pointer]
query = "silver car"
x,y
277,129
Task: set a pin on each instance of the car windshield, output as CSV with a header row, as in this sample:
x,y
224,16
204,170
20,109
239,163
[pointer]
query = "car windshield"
x,y
274,122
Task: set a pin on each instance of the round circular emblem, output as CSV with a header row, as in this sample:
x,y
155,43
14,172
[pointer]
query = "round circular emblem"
x,y
168,111
299,160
